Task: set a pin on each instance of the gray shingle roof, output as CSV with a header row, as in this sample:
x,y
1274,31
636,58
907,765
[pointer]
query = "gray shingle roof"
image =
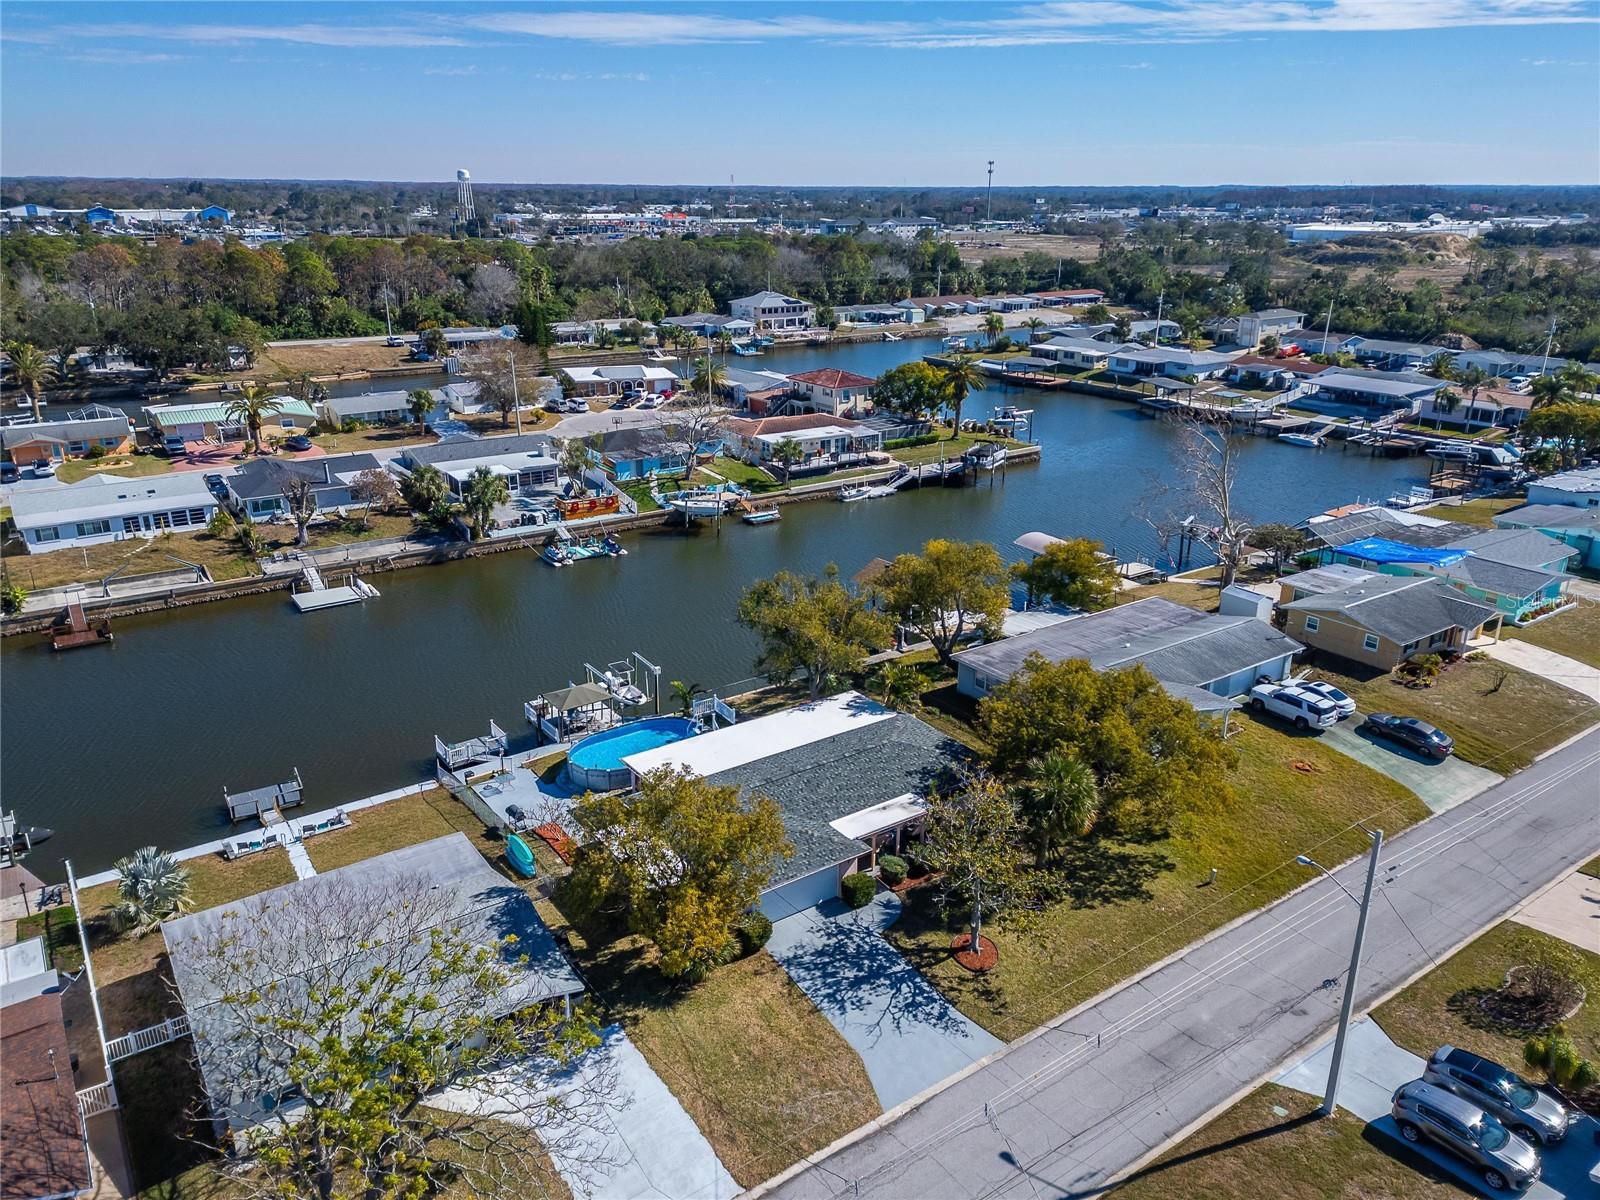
x,y
1515,547
1550,516
1177,644
467,449
1502,579
1402,608
1381,523
64,432
832,778
263,477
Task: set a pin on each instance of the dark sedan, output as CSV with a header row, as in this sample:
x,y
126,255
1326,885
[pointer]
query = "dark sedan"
x,y
1412,734
298,442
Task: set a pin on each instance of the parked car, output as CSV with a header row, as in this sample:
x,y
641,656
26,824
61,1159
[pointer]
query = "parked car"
x,y
1428,1113
215,483
394,339
574,405
1305,709
1411,733
298,442
626,400
43,468
650,401
1522,1108
1327,691
9,473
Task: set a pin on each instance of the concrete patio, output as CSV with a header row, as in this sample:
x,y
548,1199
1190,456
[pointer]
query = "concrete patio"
x,y
1439,785
907,1034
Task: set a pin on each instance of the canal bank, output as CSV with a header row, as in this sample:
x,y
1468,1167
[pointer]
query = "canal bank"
x,y
132,743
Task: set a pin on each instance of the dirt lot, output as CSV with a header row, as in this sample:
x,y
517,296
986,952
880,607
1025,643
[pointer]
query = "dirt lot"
x,y
977,248
285,362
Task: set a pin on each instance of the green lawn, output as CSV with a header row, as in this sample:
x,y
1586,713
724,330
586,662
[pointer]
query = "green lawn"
x,y
1501,717
133,556
1592,867
59,928
764,1075
1442,1006
1476,512
399,823
339,533
1133,903
1575,633
639,489
751,478
1272,1143
945,448
131,465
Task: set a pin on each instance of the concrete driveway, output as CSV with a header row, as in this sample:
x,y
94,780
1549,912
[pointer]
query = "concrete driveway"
x,y
907,1034
1375,1066
1570,911
1547,664
1439,785
633,1143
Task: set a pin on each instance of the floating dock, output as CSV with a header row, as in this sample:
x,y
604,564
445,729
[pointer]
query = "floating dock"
x,y
75,630
319,595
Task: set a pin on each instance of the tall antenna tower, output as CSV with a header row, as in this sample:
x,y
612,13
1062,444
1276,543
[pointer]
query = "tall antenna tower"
x,y
730,191
464,194
988,202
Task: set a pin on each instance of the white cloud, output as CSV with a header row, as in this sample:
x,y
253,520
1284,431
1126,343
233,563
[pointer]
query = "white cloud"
x,y
467,70
112,56
364,35
674,28
1557,62
1139,66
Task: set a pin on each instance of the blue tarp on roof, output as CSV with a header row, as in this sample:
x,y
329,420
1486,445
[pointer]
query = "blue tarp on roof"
x,y
1384,550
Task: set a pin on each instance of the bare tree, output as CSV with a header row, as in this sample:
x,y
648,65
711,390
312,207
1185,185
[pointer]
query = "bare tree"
x,y
299,492
492,290
376,488
375,1041
1200,502
504,371
697,420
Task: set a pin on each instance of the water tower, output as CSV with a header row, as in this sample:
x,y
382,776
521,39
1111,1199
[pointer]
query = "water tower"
x,y
464,194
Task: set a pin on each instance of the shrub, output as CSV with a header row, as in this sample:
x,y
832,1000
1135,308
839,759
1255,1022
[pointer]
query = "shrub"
x,y
922,439
95,451
1555,1055
11,597
753,930
892,869
858,889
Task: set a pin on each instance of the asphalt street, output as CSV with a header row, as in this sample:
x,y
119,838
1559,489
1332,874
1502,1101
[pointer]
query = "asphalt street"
x,y
1064,1112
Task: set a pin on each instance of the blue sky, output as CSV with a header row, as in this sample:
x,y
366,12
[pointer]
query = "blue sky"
x,y
1077,92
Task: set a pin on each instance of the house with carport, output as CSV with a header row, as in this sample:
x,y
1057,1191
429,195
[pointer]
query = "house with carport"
x,y
849,777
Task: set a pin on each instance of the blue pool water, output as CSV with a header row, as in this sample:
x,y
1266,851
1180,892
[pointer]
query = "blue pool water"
x,y
605,751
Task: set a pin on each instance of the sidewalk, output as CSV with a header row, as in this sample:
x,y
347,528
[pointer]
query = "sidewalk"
x,y
1547,664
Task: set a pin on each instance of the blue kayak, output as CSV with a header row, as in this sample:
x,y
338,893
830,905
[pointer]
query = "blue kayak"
x,y
521,857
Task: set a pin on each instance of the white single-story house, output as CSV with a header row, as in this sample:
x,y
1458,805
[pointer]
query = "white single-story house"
x,y
1190,652
102,430
1395,356
379,408
1173,363
614,380
1456,408
111,508
1580,487
1082,354
1374,391
830,390
847,774
1065,297
526,460
710,325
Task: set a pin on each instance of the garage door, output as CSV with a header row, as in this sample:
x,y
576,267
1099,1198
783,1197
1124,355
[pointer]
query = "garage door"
x,y
799,894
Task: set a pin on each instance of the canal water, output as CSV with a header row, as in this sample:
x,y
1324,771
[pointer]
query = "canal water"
x,y
132,744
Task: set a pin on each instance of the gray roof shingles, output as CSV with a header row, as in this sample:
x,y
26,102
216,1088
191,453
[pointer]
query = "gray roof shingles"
x,y
1402,608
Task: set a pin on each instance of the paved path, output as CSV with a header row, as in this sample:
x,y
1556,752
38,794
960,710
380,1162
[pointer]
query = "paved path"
x,y
906,1033
1547,664
640,1145
1569,911
301,861
1066,1109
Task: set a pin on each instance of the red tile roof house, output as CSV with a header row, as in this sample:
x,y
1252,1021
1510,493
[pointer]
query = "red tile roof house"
x,y
752,438
830,390
46,1149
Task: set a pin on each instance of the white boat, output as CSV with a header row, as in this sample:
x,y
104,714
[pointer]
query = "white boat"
x,y
1313,440
891,337
1416,496
1010,416
1460,454
658,356
855,492
955,343
762,516
700,501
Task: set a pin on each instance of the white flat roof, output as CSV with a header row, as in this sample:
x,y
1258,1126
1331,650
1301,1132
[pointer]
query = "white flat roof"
x,y
108,496
747,741
868,821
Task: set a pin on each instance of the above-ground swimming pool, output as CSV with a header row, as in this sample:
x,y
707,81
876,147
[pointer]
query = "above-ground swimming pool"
x,y
596,761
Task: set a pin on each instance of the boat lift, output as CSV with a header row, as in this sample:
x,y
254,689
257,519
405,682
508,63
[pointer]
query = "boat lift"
x,y
623,681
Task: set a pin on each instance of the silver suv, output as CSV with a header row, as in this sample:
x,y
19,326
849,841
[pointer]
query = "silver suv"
x,y
1516,1104
1425,1112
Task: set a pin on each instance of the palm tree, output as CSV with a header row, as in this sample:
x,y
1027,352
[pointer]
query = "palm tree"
x,y
1063,801
709,377
1472,381
151,887
420,402
484,491
994,325
426,489
684,695
899,685
1033,325
1579,380
252,404
1442,366
32,369
960,377
1548,389
786,454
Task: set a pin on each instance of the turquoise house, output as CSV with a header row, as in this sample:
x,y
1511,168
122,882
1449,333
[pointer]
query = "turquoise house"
x,y
1518,576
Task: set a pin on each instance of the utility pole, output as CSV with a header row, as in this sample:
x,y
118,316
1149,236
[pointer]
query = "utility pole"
x,y
1331,1097
988,203
516,402
1549,344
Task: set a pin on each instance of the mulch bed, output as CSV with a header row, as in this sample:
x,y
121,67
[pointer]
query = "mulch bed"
x,y
556,838
907,884
1515,1005
986,958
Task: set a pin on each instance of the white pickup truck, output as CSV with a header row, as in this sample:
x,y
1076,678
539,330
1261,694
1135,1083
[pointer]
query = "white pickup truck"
x,y
1301,706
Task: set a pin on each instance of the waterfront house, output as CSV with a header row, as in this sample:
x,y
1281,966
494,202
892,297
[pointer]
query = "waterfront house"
x,y
257,489
46,1138
1194,654
833,391
710,325
380,408
1386,355
1455,408
1141,362
1250,329
1386,619
1503,364
1580,487
1075,353
1069,297
822,439
481,907
590,382
526,461
1253,371
773,312
210,420
111,508
848,775
1372,393
1314,341
754,391
1155,331
1577,527
878,314
95,429
640,452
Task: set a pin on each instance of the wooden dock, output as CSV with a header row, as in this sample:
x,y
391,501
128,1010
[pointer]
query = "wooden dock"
x,y
74,629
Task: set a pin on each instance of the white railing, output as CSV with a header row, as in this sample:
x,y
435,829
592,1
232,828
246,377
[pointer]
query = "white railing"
x,y
101,1098
148,1038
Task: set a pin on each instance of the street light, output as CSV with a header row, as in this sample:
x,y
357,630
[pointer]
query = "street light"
x,y
1330,1098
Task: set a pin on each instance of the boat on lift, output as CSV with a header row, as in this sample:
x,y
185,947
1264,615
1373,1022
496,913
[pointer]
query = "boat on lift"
x,y
1009,416
762,516
891,337
745,350
710,501
1310,440
564,549
956,342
